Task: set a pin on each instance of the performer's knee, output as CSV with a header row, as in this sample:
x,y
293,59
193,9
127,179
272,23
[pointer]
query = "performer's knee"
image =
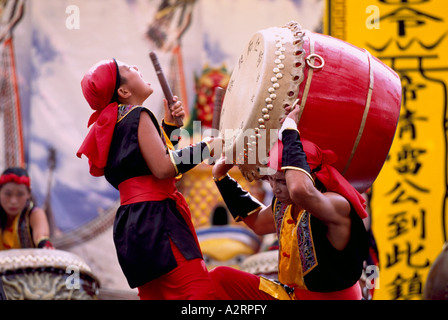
x,y
218,273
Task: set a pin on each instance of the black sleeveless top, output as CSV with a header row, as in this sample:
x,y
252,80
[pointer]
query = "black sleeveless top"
x,y
125,160
142,230
329,269
337,269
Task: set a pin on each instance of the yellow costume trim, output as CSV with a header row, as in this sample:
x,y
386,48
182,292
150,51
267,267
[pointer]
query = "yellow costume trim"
x,y
239,218
295,129
209,149
173,162
124,116
11,238
170,124
274,289
364,116
42,238
220,178
302,170
170,147
290,264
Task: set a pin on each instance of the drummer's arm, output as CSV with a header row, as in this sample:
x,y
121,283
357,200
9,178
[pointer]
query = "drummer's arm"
x,y
261,222
241,204
41,230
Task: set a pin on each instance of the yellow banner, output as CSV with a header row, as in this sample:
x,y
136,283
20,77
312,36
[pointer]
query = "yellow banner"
x,y
409,203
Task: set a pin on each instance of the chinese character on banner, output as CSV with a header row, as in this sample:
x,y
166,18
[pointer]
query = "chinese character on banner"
x,y
408,203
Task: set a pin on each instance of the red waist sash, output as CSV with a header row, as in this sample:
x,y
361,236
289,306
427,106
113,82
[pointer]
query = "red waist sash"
x,y
149,188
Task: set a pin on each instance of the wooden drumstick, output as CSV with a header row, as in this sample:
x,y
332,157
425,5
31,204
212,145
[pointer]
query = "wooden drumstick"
x,y
165,86
219,94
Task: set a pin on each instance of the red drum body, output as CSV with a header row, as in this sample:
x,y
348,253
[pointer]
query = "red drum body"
x,y
352,107
350,100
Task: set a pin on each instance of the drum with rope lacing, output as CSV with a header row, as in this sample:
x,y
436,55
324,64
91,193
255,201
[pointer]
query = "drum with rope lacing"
x,y
41,274
350,101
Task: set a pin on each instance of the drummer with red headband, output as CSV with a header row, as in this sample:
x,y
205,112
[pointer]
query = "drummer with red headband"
x,y
154,237
317,216
22,224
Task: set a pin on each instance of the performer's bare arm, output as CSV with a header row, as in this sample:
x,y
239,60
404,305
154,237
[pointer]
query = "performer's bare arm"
x,y
261,222
153,149
329,207
39,225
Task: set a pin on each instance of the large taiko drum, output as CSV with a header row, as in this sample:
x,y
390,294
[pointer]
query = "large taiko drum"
x,y
39,274
350,101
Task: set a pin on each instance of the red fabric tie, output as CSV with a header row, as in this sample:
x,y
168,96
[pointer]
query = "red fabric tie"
x,y
99,86
11,177
149,188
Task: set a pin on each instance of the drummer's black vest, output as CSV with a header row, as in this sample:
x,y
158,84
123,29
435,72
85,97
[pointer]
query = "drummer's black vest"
x,y
324,268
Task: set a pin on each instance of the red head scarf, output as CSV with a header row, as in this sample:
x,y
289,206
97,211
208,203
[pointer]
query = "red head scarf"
x,y
11,177
320,162
99,87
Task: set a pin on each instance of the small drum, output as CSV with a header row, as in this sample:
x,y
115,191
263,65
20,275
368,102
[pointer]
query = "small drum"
x,y
350,101
39,274
263,264
227,245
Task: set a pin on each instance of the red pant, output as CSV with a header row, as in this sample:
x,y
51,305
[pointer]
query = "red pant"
x,y
232,284
190,280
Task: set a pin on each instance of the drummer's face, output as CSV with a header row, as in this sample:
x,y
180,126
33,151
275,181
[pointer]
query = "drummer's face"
x,y
14,197
134,82
279,187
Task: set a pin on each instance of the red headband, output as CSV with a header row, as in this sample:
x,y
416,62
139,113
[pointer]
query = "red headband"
x,y
11,177
99,86
321,162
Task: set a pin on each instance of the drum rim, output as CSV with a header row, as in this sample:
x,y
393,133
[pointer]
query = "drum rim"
x,y
253,171
35,259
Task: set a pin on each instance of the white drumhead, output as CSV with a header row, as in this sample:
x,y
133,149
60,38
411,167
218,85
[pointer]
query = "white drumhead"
x,y
266,78
16,259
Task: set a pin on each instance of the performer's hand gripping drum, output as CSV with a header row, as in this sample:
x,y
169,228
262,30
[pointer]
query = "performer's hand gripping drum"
x,y
350,101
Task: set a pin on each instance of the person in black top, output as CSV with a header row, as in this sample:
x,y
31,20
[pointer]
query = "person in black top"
x,y
22,223
317,216
155,240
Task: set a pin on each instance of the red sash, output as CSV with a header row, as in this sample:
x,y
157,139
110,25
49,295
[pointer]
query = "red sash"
x,y
149,188
146,188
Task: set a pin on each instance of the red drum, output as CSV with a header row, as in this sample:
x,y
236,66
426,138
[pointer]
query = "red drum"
x,y
350,100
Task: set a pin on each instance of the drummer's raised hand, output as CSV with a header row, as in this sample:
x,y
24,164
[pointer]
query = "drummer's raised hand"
x,y
221,168
294,114
291,121
176,110
215,146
